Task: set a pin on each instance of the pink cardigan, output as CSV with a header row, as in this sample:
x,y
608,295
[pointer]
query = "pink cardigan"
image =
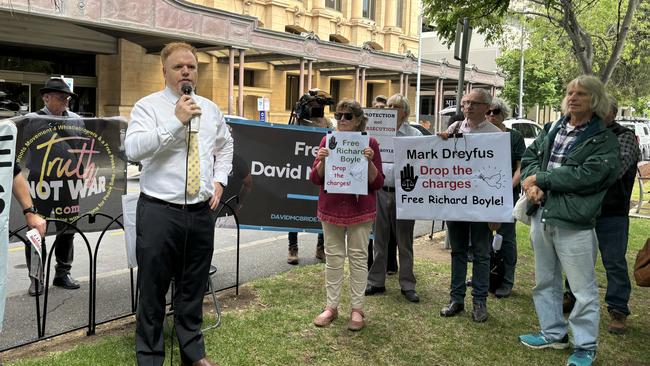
x,y
348,209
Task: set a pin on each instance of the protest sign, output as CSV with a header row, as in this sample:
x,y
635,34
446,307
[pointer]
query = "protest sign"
x,y
460,179
382,125
73,166
270,176
346,168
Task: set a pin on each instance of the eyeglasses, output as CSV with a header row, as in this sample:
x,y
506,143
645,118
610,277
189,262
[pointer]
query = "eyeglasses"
x,y
471,103
394,106
346,116
493,112
62,98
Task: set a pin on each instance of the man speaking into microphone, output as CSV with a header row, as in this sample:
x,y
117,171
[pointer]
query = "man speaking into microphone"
x,y
186,152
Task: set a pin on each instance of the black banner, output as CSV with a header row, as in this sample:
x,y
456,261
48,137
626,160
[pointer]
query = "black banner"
x,y
73,166
271,167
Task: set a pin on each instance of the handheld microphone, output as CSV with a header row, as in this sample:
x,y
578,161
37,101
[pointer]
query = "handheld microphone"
x,y
196,120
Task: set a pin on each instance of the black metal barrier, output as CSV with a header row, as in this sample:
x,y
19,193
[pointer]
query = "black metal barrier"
x,y
41,315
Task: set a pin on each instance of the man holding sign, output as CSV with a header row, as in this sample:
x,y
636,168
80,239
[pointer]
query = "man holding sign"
x,y
354,168
387,220
475,106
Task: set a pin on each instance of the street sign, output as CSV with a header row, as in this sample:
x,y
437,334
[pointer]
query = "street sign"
x,y
263,104
263,116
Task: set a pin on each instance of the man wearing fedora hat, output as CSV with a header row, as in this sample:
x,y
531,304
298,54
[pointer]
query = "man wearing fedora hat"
x,y
56,96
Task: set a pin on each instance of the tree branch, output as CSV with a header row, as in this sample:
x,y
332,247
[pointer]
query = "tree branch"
x,y
632,5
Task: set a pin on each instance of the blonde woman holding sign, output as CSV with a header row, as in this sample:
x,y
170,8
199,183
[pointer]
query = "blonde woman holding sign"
x,y
347,215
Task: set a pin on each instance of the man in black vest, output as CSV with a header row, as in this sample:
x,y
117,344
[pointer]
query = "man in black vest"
x,y
612,227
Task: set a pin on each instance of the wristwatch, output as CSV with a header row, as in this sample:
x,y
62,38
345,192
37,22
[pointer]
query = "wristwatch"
x,y
30,209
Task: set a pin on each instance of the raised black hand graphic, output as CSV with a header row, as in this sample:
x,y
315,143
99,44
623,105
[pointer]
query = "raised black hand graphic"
x,y
332,144
408,178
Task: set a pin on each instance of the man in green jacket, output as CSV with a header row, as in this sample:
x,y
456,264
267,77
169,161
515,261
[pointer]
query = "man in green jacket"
x,y
566,173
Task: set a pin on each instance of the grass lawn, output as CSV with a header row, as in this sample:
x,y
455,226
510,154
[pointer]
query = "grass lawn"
x,y
276,329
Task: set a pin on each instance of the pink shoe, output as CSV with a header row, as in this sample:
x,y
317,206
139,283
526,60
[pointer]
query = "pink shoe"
x,y
356,325
326,318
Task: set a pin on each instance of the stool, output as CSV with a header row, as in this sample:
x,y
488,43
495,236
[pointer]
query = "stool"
x,y
217,305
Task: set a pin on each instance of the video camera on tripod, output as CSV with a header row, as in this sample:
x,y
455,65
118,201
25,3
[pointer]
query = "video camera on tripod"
x,y
310,105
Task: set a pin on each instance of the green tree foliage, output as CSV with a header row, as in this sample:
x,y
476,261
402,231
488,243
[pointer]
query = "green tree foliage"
x,y
594,29
486,16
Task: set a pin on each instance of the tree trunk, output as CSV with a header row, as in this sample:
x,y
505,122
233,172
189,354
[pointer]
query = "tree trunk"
x,y
582,44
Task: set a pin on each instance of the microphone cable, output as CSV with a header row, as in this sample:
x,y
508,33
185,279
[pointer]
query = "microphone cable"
x,y
187,90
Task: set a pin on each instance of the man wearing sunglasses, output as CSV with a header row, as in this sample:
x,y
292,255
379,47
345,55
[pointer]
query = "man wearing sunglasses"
x,y
56,96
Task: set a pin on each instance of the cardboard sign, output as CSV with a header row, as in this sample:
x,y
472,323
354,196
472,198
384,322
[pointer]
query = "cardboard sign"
x,y
346,168
459,179
382,125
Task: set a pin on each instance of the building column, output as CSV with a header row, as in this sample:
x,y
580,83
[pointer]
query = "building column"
x,y
309,73
436,105
390,15
242,69
231,80
357,9
401,84
319,4
363,87
406,86
301,85
356,83
440,97
493,90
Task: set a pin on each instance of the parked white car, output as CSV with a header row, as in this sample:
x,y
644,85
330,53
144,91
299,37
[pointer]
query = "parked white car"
x,y
642,132
527,128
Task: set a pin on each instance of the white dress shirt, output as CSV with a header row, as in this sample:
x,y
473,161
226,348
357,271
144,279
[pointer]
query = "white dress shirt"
x,y
404,130
466,127
158,140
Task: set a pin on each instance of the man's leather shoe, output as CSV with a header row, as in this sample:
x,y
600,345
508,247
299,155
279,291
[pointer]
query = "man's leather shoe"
x,y
66,282
503,291
32,288
373,290
452,309
479,313
202,362
411,295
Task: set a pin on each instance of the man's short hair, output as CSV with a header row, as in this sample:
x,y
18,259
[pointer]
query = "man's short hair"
x,y
175,46
485,95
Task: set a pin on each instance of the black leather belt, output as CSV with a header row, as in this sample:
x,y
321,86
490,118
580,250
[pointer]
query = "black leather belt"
x,y
190,207
388,189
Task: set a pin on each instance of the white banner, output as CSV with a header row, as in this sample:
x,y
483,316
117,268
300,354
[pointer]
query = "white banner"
x,y
7,152
460,179
382,125
346,169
